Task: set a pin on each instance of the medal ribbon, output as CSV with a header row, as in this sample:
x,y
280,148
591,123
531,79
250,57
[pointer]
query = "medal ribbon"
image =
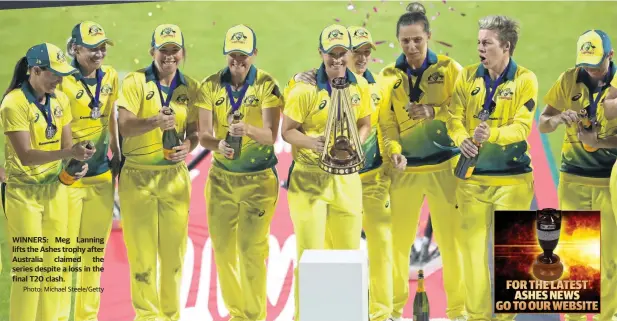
x,y
94,99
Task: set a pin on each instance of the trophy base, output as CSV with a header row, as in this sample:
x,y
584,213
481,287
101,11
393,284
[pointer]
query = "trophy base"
x,y
547,271
344,169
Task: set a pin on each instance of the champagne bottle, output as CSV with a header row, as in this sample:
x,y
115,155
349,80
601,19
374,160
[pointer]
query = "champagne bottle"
x,y
67,176
235,141
170,138
465,166
586,122
420,301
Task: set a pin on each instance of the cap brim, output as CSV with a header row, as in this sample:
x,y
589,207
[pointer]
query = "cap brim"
x,y
364,43
335,46
62,69
107,41
168,43
238,50
593,63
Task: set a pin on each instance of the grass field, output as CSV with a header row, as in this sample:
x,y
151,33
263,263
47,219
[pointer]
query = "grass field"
x,y
287,34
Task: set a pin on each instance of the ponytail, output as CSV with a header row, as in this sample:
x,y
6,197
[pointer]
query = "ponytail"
x,y
69,47
416,12
20,75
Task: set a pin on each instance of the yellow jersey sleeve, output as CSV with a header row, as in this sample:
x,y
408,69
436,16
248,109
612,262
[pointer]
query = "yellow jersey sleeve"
x,y
271,94
520,125
458,103
298,104
388,124
131,96
204,96
291,84
555,96
614,82
14,117
454,69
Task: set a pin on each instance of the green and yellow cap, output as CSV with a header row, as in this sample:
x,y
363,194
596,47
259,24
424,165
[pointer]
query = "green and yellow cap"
x,y
50,57
360,36
90,35
240,38
334,36
166,34
592,47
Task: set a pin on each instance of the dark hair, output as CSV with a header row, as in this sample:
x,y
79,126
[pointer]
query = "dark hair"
x,y
415,13
416,7
20,75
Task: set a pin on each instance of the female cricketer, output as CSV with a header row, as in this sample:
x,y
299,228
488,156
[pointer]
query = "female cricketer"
x,y
36,118
374,176
586,164
154,186
504,93
417,143
242,187
92,94
320,201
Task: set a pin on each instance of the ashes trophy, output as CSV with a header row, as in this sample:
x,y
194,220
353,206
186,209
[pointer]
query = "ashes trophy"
x,y
342,152
548,266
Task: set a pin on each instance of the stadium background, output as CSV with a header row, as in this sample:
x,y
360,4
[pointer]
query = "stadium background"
x,y
287,34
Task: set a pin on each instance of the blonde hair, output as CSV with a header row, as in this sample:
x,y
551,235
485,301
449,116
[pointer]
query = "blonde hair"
x,y
507,29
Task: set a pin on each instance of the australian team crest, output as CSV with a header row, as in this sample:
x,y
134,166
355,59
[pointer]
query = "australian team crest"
x,y
360,34
106,89
238,37
505,93
355,99
587,48
251,101
335,34
60,57
375,98
435,78
95,30
168,32
58,111
182,99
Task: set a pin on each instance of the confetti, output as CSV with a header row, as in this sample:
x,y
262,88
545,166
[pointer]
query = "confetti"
x,y
213,23
391,45
451,8
368,15
433,18
379,42
377,60
401,3
113,23
337,19
444,43
438,14
350,7
463,14
444,1
158,6
136,61
375,9
149,14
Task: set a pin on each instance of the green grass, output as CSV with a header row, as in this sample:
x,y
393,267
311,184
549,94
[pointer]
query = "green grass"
x,y
287,34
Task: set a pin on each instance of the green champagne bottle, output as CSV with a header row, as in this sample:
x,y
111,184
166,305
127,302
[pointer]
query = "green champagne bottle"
x,y
170,138
466,165
235,142
67,176
420,301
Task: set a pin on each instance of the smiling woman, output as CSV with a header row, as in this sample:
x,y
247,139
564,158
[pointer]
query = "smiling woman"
x,y
92,93
154,186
